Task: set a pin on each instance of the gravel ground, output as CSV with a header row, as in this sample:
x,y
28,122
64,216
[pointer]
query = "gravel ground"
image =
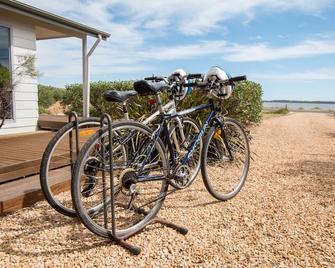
x,y
284,215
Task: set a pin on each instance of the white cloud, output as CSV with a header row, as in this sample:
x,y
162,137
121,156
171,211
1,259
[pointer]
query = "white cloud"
x,y
200,49
255,52
263,52
133,24
318,74
188,16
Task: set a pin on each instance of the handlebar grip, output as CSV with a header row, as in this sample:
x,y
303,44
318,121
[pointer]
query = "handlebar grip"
x,y
150,78
238,78
194,76
154,78
196,84
189,84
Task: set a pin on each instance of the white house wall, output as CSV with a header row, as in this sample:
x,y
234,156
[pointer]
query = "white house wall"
x,y
25,98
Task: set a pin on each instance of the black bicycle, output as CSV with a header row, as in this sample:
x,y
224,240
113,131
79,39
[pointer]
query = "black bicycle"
x,y
134,178
55,182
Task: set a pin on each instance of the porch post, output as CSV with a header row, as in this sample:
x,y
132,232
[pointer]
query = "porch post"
x,y
86,81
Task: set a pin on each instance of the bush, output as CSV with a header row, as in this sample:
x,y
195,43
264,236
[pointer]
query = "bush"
x,y
245,104
4,76
48,95
281,111
138,107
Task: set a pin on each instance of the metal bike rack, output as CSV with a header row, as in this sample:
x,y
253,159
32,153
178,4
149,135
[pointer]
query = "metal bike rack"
x,y
132,248
73,117
106,118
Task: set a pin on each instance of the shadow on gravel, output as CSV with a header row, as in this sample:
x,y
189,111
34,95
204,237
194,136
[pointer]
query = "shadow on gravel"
x,y
193,206
315,177
30,237
331,134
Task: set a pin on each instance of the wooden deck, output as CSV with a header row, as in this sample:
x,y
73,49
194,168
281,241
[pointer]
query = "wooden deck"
x,y
25,192
52,122
20,158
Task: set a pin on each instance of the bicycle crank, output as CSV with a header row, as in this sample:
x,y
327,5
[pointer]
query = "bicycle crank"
x,y
181,177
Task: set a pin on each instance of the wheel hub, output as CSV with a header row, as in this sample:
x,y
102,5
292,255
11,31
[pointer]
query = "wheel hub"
x,y
128,177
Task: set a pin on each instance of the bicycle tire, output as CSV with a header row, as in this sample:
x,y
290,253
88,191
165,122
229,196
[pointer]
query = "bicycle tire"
x,y
45,163
207,178
187,120
84,214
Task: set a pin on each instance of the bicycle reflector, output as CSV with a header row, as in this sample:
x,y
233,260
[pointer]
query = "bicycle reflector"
x,y
151,102
217,133
87,132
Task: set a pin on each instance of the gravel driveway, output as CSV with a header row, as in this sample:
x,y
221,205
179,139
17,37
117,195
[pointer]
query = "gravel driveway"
x,y
284,215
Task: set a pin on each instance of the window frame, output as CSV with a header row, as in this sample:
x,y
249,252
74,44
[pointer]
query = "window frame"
x,y
11,66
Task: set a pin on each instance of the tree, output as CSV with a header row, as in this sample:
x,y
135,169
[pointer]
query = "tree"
x,y
8,81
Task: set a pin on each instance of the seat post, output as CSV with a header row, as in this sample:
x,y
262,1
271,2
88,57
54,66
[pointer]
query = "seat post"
x,y
125,110
159,103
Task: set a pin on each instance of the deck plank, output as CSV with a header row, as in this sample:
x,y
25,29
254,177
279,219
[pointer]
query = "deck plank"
x,y
25,192
52,122
20,155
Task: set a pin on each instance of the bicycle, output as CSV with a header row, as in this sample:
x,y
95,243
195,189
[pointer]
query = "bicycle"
x,y
138,185
61,153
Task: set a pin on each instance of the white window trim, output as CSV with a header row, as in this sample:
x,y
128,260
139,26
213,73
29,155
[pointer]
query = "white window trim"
x,y
11,66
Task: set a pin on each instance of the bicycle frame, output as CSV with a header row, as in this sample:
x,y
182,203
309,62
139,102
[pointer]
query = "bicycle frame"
x,y
162,128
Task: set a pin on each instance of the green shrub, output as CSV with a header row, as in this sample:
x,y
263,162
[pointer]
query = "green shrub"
x,y
281,111
48,95
245,104
4,76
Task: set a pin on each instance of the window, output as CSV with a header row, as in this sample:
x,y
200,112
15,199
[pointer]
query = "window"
x,y
5,74
4,47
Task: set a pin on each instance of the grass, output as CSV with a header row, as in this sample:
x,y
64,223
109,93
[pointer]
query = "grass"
x,y
273,113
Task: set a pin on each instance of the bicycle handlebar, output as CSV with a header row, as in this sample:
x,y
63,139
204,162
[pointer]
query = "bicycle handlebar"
x,y
194,76
155,78
238,78
227,82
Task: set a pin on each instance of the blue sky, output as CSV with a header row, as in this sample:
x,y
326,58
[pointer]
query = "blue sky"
x,y
287,46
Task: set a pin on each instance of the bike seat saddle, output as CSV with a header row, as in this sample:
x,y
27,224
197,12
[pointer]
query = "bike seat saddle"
x,y
145,88
119,96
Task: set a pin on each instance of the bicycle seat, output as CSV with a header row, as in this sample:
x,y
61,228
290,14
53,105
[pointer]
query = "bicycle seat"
x,y
119,96
145,88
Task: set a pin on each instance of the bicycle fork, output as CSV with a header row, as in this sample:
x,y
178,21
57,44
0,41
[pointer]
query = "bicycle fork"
x,y
223,134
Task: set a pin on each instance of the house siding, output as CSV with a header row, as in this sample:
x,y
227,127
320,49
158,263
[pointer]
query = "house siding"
x,y
25,95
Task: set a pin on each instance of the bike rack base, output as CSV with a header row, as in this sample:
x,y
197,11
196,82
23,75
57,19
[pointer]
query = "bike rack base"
x,y
178,228
135,250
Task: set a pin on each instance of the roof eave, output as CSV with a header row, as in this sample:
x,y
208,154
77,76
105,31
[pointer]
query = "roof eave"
x,y
45,16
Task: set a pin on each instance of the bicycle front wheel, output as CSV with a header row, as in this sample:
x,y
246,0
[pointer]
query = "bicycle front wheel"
x,y
139,179
225,160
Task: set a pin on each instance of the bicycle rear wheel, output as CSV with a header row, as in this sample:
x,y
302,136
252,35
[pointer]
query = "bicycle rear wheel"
x,y
136,201
183,138
55,170
225,160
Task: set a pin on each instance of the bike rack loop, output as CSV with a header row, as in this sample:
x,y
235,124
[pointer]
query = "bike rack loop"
x,y
108,119
73,117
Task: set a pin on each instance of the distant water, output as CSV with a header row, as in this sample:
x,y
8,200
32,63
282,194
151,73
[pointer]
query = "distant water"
x,y
310,106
